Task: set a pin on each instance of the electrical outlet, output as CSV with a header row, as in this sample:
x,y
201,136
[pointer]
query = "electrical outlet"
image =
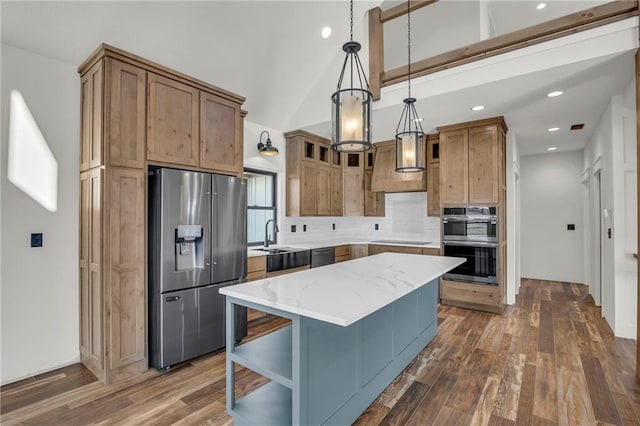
x,y
293,228
304,228
571,227
609,233
376,227
333,226
36,240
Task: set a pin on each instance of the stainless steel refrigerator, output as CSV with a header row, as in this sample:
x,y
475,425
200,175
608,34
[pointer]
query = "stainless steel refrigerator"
x,y
197,245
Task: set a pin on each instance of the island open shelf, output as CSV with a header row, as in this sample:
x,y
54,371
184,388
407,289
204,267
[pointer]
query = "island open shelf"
x,y
351,334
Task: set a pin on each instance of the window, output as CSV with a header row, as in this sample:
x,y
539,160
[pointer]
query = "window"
x,y
261,205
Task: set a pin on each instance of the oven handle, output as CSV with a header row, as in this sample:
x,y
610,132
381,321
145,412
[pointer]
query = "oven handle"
x,y
470,243
491,219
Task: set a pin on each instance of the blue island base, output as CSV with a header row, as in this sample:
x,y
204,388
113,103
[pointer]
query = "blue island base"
x,y
323,373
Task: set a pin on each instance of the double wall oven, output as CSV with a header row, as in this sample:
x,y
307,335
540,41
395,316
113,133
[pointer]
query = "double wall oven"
x,y
471,232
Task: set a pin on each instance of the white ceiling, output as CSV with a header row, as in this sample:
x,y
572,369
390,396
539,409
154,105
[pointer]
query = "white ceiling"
x,y
272,53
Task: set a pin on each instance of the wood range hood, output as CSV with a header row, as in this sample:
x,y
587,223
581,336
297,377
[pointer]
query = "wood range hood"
x,y
386,179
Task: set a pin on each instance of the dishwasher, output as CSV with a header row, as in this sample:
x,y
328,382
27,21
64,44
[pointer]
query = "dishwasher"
x,y
323,256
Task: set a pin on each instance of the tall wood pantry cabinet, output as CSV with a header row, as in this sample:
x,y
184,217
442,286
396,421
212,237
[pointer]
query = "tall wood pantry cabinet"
x,y
473,172
135,113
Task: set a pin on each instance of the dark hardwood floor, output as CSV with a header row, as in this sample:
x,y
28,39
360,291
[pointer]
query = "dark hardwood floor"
x,y
551,359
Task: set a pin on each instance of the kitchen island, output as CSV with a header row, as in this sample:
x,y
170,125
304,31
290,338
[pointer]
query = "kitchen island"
x,y
354,327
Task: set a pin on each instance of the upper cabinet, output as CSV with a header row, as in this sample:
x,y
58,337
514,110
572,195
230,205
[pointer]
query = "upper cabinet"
x,y
125,120
309,178
220,125
323,182
386,179
91,97
471,162
433,175
173,122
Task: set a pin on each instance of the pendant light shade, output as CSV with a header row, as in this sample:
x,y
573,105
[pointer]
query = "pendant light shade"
x,y
410,143
351,107
410,139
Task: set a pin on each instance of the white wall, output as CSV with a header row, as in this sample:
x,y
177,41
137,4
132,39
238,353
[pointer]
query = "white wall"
x,y
513,218
39,286
612,152
275,164
551,198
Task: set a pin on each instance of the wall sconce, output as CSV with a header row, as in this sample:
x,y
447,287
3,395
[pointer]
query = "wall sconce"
x,y
267,149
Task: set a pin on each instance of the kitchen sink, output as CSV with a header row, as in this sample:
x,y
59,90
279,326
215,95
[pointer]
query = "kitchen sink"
x,y
282,258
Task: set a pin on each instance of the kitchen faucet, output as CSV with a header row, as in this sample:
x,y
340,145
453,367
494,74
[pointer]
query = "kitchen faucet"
x,y
266,235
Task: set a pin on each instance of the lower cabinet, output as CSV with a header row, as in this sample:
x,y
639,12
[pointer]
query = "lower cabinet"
x,y
113,289
287,271
376,249
343,253
256,268
472,296
359,250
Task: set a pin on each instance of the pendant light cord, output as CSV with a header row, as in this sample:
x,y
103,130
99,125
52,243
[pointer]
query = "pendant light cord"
x,y
351,16
409,45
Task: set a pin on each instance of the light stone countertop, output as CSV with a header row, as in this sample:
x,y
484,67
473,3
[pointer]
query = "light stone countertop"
x,y
346,292
251,252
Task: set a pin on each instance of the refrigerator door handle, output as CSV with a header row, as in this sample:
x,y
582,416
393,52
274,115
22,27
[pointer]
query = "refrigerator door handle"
x,y
172,298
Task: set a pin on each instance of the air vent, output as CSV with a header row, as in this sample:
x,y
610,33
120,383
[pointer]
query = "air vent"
x,y
577,126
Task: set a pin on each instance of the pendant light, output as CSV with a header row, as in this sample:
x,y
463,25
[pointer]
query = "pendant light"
x,y
267,149
410,151
351,107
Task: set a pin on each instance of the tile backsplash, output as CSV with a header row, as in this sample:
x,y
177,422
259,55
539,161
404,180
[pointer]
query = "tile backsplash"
x,y
405,219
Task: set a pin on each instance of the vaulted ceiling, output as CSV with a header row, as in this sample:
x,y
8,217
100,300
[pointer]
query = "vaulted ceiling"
x,y
272,53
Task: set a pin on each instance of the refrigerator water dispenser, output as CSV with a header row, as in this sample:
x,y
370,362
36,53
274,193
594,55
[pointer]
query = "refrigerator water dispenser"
x,y
189,247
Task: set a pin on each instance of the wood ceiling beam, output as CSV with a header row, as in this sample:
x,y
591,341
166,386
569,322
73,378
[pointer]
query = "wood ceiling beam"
x,y
401,9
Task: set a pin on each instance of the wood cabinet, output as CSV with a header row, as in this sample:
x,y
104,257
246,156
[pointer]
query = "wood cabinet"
x,y
374,204
91,100
220,143
359,250
133,111
125,130
386,179
471,296
287,271
379,248
353,185
471,162
337,194
314,176
256,267
433,175
113,325
431,251
343,253
373,201
324,181
173,122
472,172
91,279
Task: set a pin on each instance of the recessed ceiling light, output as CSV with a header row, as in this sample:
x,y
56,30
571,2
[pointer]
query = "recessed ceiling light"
x,y
478,108
541,6
554,94
326,32
554,129
552,148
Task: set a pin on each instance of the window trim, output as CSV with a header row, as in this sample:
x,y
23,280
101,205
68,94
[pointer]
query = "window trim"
x,y
274,175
